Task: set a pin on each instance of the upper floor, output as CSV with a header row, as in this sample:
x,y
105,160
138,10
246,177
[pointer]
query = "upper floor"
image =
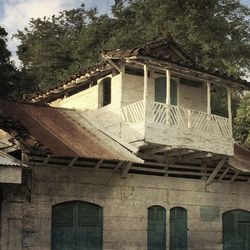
x,y
156,98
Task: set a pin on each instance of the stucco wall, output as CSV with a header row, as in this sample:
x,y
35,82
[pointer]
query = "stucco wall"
x,y
26,219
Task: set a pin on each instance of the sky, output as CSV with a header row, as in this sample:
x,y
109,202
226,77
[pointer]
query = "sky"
x,y
15,14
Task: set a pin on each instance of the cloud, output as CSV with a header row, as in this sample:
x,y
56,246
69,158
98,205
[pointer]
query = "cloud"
x,y
17,13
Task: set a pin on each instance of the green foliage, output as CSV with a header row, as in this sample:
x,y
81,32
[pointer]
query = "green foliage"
x,y
215,32
242,121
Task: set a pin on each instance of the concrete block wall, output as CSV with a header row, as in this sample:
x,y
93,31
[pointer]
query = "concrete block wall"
x,y
26,224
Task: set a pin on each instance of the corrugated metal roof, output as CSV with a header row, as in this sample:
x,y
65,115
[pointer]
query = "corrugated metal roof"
x,y
63,132
7,160
241,159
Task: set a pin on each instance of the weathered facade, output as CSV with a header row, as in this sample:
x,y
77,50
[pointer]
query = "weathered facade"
x,y
129,154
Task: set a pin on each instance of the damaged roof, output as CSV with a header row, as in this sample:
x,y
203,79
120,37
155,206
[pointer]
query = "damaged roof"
x,y
165,49
51,131
241,159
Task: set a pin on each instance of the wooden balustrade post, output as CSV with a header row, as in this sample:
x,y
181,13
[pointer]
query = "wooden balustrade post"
x,y
168,96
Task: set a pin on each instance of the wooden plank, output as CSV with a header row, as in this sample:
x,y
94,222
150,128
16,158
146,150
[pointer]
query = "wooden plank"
x,y
118,166
157,150
216,171
234,177
197,155
73,162
98,164
125,169
224,173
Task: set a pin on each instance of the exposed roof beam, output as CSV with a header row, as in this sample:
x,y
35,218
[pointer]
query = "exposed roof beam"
x,y
197,155
73,161
224,173
216,171
98,164
178,152
234,177
118,165
157,150
126,168
114,65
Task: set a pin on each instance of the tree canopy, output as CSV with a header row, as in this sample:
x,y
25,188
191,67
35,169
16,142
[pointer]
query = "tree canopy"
x,y
215,32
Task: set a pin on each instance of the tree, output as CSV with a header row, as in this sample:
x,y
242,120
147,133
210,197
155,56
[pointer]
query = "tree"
x,y
242,121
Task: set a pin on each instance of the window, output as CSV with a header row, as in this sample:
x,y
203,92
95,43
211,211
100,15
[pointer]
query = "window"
x,y
160,90
236,230
178,228
219,100
76,225
105,92
156,228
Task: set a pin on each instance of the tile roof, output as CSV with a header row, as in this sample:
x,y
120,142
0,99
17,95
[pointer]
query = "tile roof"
x,y
168,50
60,132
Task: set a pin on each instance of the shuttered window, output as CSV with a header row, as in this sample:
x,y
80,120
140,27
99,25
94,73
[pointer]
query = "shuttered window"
x,y
178,228
236,230
156,228
76,226
160,90
105,92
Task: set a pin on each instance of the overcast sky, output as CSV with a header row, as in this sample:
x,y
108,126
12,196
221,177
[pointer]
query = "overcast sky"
x,y
15,14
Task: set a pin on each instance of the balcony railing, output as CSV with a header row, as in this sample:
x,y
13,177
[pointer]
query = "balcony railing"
x,y
173,116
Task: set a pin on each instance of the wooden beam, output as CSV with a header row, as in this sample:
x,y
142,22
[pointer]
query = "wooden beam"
x,y
234,177
178,152
118,166
114,65
98,164
157,150
126,169
229,105
73,162
224,173
197,155
216,171
168,83
145,89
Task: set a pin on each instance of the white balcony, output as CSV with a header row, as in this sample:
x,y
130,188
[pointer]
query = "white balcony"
x,y
177,127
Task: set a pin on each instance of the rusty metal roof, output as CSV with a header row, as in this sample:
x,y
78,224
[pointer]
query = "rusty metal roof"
x,y
8,160
46,130
241,159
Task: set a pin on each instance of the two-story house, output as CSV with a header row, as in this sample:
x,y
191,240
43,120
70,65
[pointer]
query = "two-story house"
x,y
136,152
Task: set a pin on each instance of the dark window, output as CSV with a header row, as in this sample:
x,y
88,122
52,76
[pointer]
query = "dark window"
x,y
105,92
236,230
219,101
76,225
160,90
156,228
178,228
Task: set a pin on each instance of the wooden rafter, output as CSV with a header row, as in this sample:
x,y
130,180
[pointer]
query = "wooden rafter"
x,y
98,164
157,150
126,168
216,171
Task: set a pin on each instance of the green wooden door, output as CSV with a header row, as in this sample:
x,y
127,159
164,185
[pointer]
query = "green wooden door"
x,y
236,230
76,226
160,90
156,228
178,228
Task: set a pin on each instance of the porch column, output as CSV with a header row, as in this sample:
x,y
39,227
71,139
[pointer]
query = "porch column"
x,y
208,98
229,106
145,92
168,96
168,77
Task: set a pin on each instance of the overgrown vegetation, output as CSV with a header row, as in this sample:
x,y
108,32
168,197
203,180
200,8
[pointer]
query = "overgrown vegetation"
x,y
215,32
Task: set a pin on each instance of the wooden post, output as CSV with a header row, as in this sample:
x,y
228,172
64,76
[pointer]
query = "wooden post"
x,y
168,96
145,93
168,100
229,103
208,98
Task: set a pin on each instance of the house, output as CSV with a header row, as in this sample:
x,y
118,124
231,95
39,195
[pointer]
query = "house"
x,y
136,152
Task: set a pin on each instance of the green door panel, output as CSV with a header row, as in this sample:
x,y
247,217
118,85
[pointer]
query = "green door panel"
x,y
236,230
160,90
178,228
156,228
77,226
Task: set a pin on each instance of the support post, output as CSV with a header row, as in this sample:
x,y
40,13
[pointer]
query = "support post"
x,y
168,96
229,106
216,171
168,77
145,93
208,98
